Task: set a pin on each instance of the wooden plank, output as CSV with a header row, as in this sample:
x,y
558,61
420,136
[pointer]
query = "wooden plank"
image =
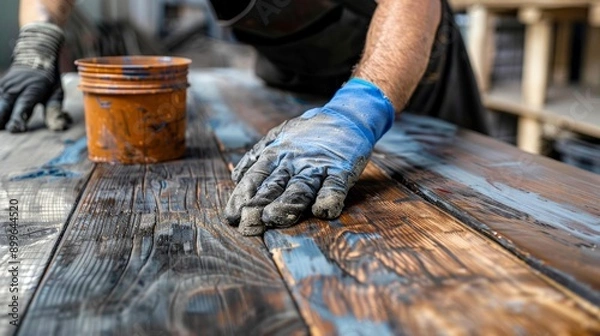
x,y
542,210
147,252
395,264
45,172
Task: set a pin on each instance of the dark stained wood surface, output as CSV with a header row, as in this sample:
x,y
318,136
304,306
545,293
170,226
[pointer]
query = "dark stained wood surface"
x,y
543,211
147,253
394,263
45,171
426,244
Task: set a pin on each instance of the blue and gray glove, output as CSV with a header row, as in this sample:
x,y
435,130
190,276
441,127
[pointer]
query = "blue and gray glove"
x,y
33,78
312,159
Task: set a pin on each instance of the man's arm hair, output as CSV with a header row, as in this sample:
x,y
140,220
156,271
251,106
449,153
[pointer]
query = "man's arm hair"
x,y
398,46
53,11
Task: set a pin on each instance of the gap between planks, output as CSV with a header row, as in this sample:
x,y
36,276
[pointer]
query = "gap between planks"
x,y
147,251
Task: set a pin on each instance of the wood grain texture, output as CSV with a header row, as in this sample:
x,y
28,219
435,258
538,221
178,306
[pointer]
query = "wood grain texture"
x,y
544,211
394,263
45,171
147,253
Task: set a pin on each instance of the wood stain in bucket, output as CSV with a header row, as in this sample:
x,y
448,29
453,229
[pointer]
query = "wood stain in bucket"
x,y
135,107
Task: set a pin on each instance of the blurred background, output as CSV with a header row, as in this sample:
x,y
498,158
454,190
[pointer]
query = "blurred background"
x,y
134,27
538,66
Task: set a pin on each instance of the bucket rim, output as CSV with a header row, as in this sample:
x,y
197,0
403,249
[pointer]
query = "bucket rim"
x,y
131,91
109,77
129,62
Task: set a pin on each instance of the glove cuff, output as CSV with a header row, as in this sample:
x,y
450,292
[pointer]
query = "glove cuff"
x,y
363,103
38,47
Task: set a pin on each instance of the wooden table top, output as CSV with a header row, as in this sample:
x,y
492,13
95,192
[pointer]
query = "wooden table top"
x,y
447,232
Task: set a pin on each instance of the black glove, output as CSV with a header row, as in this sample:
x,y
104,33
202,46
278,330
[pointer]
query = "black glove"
x,y
32,79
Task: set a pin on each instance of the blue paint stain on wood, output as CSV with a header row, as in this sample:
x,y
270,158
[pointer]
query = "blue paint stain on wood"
x,y
44,172
231,132
304,259
397,143
539,230
346,324
73,153
302,255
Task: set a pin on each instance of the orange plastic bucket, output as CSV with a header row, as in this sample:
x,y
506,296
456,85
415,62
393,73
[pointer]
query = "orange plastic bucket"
x,y
135,107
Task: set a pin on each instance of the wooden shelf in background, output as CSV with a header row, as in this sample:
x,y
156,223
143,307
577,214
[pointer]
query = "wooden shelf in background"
x,y
573,108
510,4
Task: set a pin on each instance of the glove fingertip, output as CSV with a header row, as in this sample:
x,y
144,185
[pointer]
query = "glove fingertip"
x,y
16,126
233,218
251,223
281,215
329,206
57,119
232,211
251,230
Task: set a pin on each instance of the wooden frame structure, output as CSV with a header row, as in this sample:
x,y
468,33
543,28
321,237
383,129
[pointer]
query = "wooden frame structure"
x,y
545,66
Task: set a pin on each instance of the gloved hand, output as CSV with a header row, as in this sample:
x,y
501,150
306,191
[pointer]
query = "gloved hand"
x,y
32,79
315,157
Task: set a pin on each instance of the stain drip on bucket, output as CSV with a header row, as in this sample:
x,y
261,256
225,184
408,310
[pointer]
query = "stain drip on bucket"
x,y
135,107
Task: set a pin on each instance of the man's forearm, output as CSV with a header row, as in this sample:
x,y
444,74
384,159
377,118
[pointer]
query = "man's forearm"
x,y
53,11
398,46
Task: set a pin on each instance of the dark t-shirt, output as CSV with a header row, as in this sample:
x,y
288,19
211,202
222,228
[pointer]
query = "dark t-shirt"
x,y
228,9
313,45
309,45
